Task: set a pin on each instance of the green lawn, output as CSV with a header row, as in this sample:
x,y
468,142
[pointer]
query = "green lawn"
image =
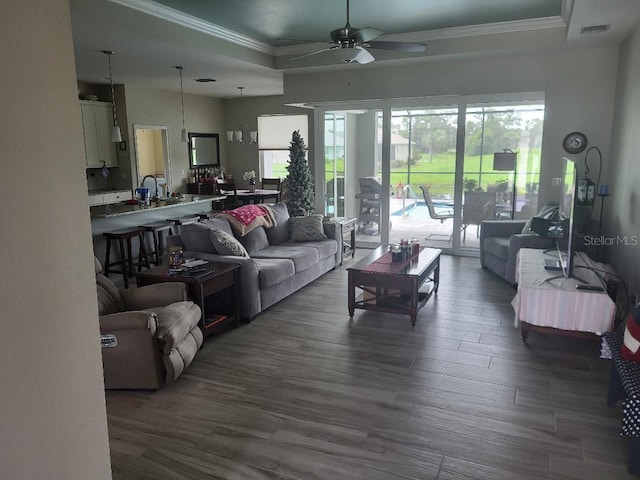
x,y
439,173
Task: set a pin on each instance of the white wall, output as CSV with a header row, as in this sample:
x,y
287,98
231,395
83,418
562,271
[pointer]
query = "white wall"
x,y
622,211
579,85
52,404
149,106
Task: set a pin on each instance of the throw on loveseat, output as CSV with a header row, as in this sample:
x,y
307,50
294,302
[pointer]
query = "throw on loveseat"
x,y
275,259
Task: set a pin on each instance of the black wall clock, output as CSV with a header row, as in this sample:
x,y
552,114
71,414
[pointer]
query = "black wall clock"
x,y
575,142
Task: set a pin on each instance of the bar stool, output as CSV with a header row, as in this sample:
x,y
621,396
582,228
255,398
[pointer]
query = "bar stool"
x,y
125,261
187,220
158,231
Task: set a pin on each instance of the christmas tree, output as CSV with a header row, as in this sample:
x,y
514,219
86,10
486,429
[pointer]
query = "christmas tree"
x,y
300,196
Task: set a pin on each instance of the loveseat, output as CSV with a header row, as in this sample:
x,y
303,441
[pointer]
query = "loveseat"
x,y
500,241
275,259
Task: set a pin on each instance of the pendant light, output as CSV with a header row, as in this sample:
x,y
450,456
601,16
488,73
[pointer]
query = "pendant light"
x,y
116,135
183,133
242,136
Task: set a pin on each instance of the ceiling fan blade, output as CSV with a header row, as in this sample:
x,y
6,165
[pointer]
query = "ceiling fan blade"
x,y
314,53
365,34
363,57
399,46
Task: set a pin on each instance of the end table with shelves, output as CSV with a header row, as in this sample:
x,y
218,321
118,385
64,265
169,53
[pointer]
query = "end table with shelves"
x,y
214,288
348,227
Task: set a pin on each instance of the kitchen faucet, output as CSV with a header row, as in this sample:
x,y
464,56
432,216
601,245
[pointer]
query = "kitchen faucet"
x,y
155,192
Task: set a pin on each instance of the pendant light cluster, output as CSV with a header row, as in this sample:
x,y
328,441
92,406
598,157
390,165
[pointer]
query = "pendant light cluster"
x,y
242,136
116,135
183,134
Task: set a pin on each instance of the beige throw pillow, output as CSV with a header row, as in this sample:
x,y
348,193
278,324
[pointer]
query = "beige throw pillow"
x,y
227,244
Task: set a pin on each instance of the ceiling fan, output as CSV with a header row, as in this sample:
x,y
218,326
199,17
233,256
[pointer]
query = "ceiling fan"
x,y
350,44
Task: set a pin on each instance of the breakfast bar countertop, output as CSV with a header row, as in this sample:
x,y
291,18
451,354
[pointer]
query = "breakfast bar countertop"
x,y
120,209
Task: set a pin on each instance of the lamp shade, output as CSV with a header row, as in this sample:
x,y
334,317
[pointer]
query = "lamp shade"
x,y
116,135
183,136
253,136
237,136
504,161
229,136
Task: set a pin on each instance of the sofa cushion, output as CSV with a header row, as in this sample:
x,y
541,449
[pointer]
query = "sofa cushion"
x,y
255,240
325,248
196,238
280,232
226,244
272,271
308,228
497,246
303,257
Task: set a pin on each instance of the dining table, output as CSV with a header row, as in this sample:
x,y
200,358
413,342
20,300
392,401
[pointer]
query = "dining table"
x,y
259,195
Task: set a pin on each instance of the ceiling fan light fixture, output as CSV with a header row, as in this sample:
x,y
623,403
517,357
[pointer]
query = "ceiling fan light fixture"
x,y
346,54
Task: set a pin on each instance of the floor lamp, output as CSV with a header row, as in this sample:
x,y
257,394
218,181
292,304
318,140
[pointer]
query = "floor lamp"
x,y
506,161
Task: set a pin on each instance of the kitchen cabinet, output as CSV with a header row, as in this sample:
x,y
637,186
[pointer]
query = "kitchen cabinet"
x,y
107,198
97,123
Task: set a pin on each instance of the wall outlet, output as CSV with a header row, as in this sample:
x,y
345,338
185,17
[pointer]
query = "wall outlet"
x,y
556,181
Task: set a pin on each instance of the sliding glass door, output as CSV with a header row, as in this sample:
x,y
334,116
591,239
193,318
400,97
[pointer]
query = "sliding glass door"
x,y
422,174
495,189
428,172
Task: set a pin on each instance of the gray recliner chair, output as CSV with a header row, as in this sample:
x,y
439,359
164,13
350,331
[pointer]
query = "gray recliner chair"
x,y
149,335
500,241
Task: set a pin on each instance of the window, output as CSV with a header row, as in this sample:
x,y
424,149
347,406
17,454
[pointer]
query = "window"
x,y
274,137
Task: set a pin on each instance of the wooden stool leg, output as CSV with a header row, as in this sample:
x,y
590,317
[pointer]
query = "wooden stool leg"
x,y
107,258
143,258
128,270
160,246
123,262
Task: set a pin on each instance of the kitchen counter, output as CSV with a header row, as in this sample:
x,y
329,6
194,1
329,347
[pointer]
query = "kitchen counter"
x,y
117,210
107,218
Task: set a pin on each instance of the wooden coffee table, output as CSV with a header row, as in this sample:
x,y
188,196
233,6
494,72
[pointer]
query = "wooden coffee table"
x,y
219,278
401,288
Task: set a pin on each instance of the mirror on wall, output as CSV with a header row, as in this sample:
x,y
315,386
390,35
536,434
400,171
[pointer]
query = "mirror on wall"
x,y
152,158
204,149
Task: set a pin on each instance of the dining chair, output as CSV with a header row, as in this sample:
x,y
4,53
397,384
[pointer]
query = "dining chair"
x,y
229,190
272,184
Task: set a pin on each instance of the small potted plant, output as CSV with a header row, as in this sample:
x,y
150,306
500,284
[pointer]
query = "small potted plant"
x,y
251,176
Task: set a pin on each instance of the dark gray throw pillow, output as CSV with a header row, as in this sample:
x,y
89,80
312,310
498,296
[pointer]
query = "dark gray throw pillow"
x,y
307,229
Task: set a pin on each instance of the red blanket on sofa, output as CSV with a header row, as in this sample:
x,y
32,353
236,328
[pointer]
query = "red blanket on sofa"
x,y
248,217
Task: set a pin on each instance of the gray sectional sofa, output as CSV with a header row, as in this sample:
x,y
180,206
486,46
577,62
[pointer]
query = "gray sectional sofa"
x,y
274,266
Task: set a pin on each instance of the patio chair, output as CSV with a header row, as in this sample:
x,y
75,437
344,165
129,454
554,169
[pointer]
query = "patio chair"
x,y
443,215
439,214
478,206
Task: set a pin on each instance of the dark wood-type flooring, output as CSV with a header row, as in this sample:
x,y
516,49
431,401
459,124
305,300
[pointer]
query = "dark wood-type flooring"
x,y
304,393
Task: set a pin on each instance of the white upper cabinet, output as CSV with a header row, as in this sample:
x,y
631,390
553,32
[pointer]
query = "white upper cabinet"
x,y
97,124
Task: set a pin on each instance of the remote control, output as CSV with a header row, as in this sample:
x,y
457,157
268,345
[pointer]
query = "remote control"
x,y
594,288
